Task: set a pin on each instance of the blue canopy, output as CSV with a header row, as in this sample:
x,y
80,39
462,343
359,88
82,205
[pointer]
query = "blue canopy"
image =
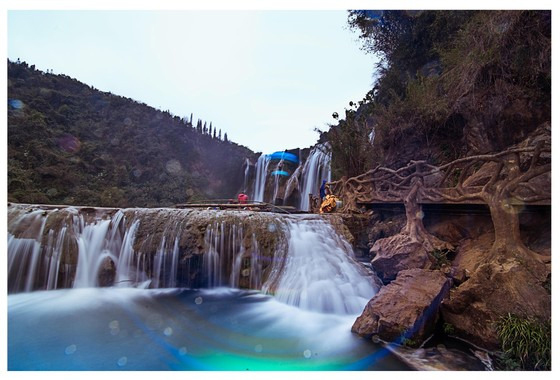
x,y
284,156
280,172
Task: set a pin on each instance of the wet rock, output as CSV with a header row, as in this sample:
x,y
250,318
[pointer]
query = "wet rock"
x,y
107,272
438,358
406,309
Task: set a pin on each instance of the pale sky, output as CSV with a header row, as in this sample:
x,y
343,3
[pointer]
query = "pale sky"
x,y
268,78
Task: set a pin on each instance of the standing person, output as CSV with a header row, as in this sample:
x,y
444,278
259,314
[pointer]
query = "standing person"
x,y
322,190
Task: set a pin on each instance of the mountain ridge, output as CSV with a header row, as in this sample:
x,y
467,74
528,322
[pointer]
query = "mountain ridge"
x,y
70,143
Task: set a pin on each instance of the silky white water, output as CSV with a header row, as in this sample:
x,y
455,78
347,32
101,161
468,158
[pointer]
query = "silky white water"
x,y
316,169
319,272
261,171
306,263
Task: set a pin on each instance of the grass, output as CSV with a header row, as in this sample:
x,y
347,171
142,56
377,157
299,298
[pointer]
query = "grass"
x,y
526,343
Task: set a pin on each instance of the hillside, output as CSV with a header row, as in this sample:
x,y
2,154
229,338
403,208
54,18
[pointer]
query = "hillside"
x,y
69,143
449,84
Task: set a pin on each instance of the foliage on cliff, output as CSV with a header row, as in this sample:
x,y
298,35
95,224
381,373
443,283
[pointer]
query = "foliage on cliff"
x,y
69,143
449,84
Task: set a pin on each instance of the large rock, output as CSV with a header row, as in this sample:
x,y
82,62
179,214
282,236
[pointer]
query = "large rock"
x,y
397,253
406,308
493,289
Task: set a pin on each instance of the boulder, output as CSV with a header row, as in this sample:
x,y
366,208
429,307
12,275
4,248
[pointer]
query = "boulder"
x,y
493,290
397,253
407,308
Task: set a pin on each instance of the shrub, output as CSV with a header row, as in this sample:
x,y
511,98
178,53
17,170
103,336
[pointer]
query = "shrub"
x,y
526,343
441,257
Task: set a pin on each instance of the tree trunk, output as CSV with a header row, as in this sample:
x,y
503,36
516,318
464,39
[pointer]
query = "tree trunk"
x,y
507,235
505,218
414,227
414,224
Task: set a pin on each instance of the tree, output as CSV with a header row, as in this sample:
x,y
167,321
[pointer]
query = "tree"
x,y
225,137
350,143
503,181
381,31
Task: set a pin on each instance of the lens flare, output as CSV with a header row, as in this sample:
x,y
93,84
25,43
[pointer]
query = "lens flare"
x,y
69,143
15,104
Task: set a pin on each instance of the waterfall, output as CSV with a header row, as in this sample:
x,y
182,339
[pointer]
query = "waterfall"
x,y
276,174
319,272
302,260
260,177
316,168
91,253
246,175
225,250
23,252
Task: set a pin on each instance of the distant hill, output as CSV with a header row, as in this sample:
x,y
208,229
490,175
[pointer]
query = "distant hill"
x,y
69,143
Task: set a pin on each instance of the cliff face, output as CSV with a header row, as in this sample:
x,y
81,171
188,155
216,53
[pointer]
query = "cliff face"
x,y
69,143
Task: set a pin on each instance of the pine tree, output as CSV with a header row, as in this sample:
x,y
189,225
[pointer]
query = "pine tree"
x,y
225,137
220,135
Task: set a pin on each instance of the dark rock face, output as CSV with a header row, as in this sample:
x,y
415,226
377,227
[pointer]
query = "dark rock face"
x,y
406,308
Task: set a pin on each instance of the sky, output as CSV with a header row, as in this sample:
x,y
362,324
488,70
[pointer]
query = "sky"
x,y
267,78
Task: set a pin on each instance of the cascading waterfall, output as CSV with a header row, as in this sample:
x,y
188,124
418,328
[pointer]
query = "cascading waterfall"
x,y
261,177
300,259
319,272
197,289
23,256
91,253
316,168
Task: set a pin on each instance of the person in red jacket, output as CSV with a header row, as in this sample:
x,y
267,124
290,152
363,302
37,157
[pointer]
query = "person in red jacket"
x,y
242,198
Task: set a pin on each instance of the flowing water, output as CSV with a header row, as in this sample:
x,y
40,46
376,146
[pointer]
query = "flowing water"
x,y
167,289
261,171
180,329
316,169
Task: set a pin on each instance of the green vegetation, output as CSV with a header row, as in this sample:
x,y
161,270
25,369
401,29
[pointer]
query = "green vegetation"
x,y
69,143
448,328
441,257
526,343
449,84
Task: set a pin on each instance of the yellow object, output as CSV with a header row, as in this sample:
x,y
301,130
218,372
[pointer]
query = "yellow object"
x,y
329,204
